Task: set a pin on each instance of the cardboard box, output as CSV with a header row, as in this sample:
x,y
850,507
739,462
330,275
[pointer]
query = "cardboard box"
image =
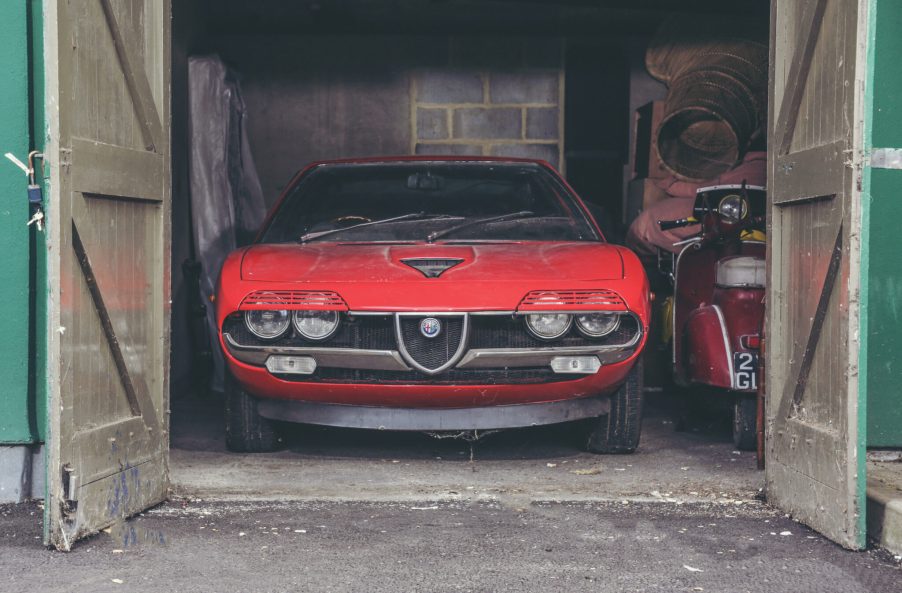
x,y
646,121
640,195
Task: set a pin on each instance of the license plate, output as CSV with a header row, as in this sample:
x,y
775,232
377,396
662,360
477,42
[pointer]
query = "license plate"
x,y
745,370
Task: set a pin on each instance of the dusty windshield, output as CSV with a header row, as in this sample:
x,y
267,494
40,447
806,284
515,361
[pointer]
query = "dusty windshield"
x,y
429,201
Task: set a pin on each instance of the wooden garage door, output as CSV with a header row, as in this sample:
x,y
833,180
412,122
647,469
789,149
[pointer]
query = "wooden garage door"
x,y
815,441
107,67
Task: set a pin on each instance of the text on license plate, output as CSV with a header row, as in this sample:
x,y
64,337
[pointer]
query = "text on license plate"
x,y
745,370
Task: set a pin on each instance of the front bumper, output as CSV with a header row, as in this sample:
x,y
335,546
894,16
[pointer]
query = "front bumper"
x,y
493,364
429,419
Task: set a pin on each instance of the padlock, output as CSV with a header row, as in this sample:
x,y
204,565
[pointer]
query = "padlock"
x,y
35,195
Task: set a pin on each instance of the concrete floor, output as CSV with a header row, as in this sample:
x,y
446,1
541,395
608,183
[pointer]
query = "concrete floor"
x,y
515,467
335,546
884,512
347,511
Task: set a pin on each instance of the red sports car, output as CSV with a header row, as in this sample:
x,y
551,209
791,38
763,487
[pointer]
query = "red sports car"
x,y
433,294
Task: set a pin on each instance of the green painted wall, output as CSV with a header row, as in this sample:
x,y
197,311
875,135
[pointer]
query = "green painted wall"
x,y
38,247
18,414
881,372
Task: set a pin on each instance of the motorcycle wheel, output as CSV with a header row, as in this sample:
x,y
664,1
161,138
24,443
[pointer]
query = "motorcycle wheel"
x,y
618,431
745,413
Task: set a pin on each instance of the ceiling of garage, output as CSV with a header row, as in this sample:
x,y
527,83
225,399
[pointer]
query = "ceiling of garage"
x,y
472,16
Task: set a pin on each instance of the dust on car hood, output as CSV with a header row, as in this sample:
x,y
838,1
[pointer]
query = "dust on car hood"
x,y
378,262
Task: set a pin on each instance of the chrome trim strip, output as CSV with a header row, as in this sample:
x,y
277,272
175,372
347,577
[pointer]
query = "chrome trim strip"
x,y
525,357
673,316
730,186
726,345
434,419
338,358
461,348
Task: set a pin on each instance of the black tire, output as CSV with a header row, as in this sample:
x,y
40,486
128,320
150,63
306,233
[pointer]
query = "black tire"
x,y
619,430
246,430
745,428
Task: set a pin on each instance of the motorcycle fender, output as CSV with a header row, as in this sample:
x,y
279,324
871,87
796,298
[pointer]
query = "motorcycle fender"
x,y
707,350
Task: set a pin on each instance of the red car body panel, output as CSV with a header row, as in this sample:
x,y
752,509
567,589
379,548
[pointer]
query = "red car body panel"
x,y
262,384
494,276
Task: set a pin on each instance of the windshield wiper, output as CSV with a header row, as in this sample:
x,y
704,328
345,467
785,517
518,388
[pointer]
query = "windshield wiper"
x,y
509,216
411,216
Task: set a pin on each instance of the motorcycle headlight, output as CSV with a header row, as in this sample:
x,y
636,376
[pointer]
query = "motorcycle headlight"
x,y
316,325
548,326
596,325
733,207
267,324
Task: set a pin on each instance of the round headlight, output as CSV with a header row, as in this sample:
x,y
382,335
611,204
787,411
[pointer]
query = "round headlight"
x,y
548,326
733,207
596,325
267,324
316,325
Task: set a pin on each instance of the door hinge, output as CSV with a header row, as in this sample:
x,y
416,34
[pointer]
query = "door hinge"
x,y
71,486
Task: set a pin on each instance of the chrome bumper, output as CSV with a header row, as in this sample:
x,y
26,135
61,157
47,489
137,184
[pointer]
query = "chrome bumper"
x,y
390,360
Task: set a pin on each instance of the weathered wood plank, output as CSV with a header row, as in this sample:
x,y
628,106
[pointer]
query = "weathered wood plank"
x,y
136,80
106,170
787,116
812,173
814,151
109,262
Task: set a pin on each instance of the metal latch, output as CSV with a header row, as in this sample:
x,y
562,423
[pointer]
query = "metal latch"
x,y
71,486
35,193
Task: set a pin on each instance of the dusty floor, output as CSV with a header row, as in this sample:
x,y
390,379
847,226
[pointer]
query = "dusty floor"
x,y
518,466
350,511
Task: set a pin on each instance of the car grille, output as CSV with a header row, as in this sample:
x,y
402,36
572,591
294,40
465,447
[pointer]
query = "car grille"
x,y
431,353
377,332
519,376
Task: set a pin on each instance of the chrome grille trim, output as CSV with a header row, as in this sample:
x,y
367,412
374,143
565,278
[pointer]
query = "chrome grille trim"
x,y
461,347
340,358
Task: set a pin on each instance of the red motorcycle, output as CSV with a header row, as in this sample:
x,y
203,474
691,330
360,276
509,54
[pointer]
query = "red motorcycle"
x,y
718,299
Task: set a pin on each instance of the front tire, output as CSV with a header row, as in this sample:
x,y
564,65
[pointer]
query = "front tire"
x,y
246,430
619,430
745,414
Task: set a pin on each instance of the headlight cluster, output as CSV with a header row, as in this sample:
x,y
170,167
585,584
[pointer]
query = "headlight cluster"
x,y
311,325
550,326
733,207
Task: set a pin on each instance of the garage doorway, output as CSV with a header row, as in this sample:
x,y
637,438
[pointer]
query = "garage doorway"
x,y
93,452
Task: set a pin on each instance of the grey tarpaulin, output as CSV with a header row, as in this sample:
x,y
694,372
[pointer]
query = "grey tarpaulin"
x,y
227,204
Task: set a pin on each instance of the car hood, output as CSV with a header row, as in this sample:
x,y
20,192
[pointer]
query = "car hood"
x,y
497,262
